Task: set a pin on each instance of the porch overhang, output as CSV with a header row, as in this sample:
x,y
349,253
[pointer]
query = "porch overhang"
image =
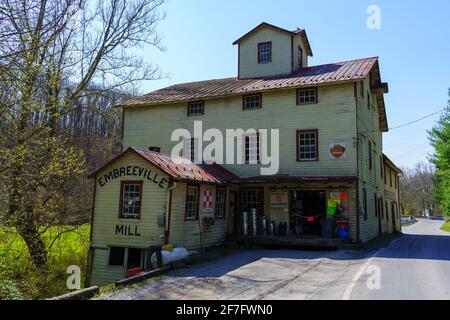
x,y
294,179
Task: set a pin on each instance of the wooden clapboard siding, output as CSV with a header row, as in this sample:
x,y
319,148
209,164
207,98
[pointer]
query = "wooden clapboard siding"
x,y
106,211
333,116
186,233
281,54
102,273
369,179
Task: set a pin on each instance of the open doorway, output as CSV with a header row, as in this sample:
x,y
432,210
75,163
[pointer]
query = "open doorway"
x,y
307,208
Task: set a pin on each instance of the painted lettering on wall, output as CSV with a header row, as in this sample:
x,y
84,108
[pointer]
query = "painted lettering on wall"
x,y
129,231
133,171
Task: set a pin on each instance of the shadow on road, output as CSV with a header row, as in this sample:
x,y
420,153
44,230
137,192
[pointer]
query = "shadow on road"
x,y
425,247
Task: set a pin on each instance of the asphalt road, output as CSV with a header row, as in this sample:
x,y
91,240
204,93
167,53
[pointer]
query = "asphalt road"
x,y
414,266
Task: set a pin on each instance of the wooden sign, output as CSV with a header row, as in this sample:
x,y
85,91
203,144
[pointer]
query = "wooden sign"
x,y
208,201
279,199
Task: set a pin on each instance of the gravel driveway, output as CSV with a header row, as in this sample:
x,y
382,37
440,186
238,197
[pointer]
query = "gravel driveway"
x,y
256,274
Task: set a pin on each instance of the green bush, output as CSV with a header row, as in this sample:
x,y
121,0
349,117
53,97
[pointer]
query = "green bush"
x,y
9,291
66,247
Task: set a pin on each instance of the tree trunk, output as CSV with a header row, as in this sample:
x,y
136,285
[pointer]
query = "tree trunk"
x,y
35,244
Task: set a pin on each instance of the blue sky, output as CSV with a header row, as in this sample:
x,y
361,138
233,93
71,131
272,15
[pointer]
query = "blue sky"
x,y
413,45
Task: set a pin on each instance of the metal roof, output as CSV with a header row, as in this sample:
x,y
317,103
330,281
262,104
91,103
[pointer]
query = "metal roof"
x,y
311,76
179,169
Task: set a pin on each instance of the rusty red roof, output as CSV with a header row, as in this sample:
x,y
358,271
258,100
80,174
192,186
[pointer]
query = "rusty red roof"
x,y
311,76
179,169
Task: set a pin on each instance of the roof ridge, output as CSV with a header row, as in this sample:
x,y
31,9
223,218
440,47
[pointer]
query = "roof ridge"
x,y
262,78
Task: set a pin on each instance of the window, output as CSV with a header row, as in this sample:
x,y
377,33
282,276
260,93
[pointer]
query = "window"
x,y
196,108
375,201
252,153
365,203
381,208
116,256
370,155
252,199
361,87
368,100
252,101
134,258
390,178
387,210
385,175
307,145
155,149
192,195
190,149
130,199
381,166
220,203
265,52
307,96
300,57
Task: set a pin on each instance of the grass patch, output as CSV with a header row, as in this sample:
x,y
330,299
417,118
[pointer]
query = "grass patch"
x,y
446,226
67,245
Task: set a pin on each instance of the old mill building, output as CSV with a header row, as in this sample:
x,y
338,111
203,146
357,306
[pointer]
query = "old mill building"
x,y
331,119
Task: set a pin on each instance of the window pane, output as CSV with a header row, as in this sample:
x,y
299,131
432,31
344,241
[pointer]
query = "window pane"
x,y
116,256
131,201
307,145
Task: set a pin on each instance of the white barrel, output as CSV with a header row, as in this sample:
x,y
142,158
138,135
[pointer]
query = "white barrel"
x,y
245,222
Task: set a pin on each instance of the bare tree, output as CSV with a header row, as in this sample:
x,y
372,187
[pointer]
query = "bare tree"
x,y
417,189
52,53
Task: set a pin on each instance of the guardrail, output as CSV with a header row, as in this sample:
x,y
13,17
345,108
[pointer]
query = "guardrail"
x,y
79,294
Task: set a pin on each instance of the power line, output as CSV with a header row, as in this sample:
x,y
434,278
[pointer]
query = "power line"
x,y
415,121
412,122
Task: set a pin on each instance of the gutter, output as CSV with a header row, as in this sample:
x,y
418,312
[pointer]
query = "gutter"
x,y
173,185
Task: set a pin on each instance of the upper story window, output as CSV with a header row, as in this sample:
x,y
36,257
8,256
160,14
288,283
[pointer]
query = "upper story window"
x,y
252,101
361,88
381,167
220,203
192,201
307,96
190,149
196,108
308,145
252,153
370,155
130,199
368,100
300,57
265,52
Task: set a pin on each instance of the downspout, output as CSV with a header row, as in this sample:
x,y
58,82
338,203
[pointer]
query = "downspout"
x,y
91,253
357,168
172,186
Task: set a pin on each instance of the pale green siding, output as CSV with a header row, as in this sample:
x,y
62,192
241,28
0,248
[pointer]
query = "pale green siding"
x,y
187,233
281,54
333,116
106,212
299,43
154,203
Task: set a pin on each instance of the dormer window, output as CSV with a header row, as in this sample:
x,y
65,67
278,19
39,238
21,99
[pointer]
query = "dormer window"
x,y
300,57
265,52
